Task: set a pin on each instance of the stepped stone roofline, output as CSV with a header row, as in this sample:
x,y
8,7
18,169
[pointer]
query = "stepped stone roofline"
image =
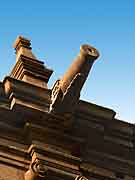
x,y
51,133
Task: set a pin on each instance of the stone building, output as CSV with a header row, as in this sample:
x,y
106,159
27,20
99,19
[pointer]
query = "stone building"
x,y
50,134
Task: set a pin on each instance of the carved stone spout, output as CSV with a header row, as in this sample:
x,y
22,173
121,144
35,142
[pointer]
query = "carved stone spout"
x,y
66,91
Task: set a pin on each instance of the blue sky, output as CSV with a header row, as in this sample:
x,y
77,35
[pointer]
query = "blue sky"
x,y
58,28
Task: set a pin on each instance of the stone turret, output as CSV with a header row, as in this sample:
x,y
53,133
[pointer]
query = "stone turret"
x,y
23,47
28,68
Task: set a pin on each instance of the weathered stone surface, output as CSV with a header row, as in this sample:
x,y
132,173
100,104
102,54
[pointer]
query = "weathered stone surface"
x,y
10,173
28,68
22,47
36,143
66,92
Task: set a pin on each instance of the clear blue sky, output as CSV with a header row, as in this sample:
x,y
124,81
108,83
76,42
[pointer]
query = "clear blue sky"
x,y
58,28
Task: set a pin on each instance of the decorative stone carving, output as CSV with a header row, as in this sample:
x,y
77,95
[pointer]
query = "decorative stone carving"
x,y
37,171
66,92
39,168
81,178
56,95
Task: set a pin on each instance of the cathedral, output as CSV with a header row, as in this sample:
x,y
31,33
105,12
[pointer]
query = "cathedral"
x,y
51,134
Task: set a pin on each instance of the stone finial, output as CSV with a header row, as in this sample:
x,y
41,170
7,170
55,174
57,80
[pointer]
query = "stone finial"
x,y
22,46
21,42
28,68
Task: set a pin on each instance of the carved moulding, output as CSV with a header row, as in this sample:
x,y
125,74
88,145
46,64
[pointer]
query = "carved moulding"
x,y
80,178
37,171
51,165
